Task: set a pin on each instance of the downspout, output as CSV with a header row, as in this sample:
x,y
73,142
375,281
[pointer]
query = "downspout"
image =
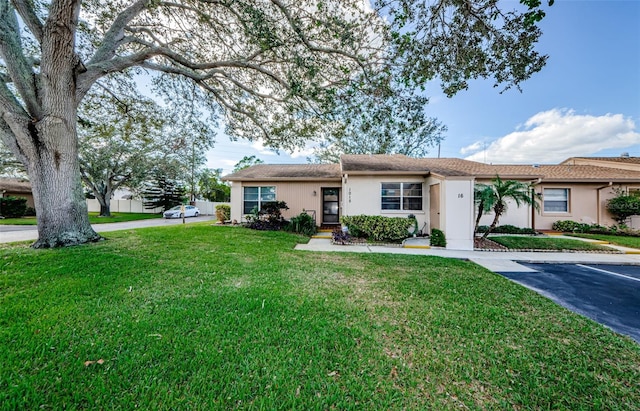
x,y
598,200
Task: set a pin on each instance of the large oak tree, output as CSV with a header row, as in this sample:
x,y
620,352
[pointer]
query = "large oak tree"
x,y
278,70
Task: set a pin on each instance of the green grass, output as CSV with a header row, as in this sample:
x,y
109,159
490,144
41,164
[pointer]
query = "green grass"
x,y
93,218
625,241
546,243
204,317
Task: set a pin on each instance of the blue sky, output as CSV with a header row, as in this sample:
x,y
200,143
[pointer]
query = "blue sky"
x,y
585,102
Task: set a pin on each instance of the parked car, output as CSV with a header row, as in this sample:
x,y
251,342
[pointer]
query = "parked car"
x,y
176,212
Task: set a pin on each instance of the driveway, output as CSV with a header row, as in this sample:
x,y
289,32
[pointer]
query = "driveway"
x,y
607,293
11,233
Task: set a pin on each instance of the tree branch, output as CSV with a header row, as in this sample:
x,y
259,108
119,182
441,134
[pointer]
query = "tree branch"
x,y
115,34
300,33
18,66
30,18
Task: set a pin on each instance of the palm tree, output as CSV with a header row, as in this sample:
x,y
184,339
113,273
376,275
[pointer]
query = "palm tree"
x,y
501,191
484,198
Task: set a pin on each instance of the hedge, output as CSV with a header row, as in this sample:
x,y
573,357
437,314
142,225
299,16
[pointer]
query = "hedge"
x,y
378,228
13,207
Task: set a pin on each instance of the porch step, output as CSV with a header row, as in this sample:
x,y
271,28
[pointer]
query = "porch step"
x,y
416,242
424,247
324,234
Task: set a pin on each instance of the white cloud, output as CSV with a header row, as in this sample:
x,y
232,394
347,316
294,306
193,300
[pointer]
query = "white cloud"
x,y
555,135
472,148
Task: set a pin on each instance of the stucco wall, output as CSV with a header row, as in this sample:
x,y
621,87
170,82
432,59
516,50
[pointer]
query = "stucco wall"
x,y
299,196
362,195
587,204
517,216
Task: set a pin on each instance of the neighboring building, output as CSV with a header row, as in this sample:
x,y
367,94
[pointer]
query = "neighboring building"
x,y
438,191
17,188
625,162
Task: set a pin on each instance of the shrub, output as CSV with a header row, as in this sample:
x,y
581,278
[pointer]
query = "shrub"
x,y
303,223
568,226
623,206
378,228
13,207
340,236
272,210
507,229
437,238
223,212
31,212
269,217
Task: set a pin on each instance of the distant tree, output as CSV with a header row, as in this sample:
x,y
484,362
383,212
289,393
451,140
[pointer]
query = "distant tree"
x,y
387,124
499,192
163,193
623,206
124,137
211,187
246,162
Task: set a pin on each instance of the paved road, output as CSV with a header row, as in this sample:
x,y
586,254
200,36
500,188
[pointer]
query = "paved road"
x,y
11,233
606,293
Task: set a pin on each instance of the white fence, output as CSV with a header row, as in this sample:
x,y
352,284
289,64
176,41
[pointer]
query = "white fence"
x,y
135,206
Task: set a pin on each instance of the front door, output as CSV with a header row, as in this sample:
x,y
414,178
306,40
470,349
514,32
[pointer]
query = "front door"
x,y
330,205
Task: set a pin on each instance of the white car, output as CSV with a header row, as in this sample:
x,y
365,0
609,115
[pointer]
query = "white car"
x,y
176,212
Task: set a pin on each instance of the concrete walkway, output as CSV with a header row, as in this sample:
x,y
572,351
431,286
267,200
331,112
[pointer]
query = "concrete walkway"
x,y
10,234
497,261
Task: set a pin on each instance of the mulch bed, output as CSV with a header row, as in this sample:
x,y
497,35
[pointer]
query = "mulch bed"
x,y
485,244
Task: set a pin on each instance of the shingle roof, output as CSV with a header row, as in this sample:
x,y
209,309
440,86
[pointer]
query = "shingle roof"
x,y
625,160
354,163
445,167
452,167
565,172
287,172
15,185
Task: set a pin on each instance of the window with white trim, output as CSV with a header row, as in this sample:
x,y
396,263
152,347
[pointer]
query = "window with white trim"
x,y
401,196
555,200
255,196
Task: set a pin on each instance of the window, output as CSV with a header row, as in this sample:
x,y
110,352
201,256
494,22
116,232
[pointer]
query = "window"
x,y
556,200
401,196
255,196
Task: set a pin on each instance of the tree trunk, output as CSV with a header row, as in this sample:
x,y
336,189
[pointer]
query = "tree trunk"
x,y
105,210
479,216
57,191
105,203
498,209
54,169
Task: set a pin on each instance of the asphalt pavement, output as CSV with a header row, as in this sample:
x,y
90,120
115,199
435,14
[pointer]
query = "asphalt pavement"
x,y
607,293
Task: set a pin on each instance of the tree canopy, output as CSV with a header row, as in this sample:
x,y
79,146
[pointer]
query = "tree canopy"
x,y
282,71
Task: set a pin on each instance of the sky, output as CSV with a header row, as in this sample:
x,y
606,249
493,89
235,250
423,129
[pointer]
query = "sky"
x,y
584,102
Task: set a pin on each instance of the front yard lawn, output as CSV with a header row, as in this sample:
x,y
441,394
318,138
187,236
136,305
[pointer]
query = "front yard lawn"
x,y
546,243
93,218
204,317
624,241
